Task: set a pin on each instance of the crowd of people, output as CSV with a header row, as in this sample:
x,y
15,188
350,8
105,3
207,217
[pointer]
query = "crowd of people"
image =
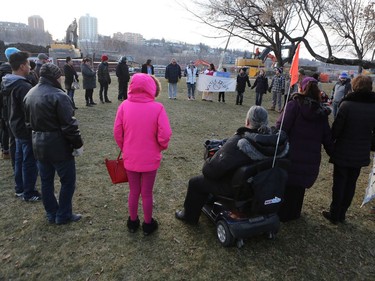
x,y
304,121
40,134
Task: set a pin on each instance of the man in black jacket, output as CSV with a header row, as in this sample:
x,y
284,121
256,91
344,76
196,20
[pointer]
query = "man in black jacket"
x,y
25,168
122,73
250,144
56,140
173,75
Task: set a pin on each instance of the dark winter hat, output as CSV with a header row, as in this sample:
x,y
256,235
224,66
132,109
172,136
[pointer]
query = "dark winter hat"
x,y
301,71
258,116
50,71
306,81
10,51
123,59
279,69
42,56
104,57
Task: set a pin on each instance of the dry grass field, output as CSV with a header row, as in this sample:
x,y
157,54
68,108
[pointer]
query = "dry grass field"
x,y
99,247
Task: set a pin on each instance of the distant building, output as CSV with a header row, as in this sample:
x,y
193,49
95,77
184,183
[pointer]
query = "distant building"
x,y
129,37
88,29
11,32
12,27
36,22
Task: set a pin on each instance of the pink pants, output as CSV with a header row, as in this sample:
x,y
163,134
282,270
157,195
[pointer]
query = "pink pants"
x,y
141,183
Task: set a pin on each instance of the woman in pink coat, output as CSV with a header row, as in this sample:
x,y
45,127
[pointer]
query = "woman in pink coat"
x,y
142,131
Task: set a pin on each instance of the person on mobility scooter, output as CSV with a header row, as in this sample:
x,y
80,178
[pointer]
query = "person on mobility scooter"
x,y
245,166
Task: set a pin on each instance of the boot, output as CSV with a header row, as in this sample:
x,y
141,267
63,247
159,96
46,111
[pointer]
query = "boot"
x,y
88,103
92,102
107,100
149,228
133,225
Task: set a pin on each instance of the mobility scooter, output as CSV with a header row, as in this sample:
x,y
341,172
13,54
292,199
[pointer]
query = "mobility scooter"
x,y
258,191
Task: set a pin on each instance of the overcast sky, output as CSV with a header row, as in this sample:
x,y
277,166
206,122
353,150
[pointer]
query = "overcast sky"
x,y
154,19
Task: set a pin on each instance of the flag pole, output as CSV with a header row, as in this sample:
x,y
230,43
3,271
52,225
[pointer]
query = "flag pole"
x,y
293,72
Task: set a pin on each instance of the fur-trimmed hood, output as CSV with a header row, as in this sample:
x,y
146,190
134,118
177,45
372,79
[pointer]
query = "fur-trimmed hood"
x,y
245,147
311,109
261,145
366,97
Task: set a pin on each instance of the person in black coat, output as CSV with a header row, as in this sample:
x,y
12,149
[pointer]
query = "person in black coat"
x,y
147,68
56,141
173,75
351,131
89,81
122,73
305,121
250,144
104,79
261,84
70,74
242,80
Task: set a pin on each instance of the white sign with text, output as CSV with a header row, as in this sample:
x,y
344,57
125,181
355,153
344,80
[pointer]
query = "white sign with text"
x,y
216,84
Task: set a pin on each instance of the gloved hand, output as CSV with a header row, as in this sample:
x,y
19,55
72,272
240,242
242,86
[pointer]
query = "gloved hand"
x,y
77,151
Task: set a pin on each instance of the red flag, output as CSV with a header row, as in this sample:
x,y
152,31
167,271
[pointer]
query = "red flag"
x,y
294,68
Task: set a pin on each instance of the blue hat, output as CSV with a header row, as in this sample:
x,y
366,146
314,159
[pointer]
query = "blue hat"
x,y
344,75
10,51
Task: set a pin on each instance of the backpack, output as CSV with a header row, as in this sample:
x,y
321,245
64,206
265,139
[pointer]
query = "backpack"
x,y
212,146
268,188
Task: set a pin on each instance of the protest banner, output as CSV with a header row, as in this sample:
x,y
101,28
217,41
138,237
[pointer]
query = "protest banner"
x,y
216,84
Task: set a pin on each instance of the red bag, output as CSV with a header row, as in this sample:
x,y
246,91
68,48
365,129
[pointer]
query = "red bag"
x,y
116,170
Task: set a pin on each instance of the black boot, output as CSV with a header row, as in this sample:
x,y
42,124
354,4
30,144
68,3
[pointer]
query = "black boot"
x,y
149,228
88,103
92,102
133,225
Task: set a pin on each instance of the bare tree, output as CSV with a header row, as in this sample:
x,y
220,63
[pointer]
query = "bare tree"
x,y
279,23
273,24
354,23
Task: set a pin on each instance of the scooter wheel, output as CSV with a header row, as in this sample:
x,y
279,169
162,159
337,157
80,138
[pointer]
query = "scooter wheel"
x,y
223,234
271,235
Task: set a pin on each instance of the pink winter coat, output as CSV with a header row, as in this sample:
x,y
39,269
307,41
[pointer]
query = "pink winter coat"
x,y
142,128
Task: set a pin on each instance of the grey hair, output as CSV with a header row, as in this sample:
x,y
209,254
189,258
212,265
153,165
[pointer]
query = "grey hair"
x,y
257,117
